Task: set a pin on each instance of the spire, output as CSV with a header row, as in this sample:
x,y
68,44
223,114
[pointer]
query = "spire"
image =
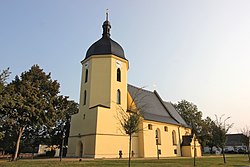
x,y
107,14
106,26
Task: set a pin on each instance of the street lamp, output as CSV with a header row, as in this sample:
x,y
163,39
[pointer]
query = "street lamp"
x,y
157,143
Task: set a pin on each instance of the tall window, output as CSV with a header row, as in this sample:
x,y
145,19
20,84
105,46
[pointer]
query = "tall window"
x,y
86,75
174,137
158,135
118,97
85,98
118,74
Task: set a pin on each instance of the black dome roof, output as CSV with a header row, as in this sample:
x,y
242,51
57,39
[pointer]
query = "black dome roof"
x,y
105,45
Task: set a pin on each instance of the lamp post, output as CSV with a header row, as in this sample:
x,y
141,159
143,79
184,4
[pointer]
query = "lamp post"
x,y
248,146
157,143
63,136
194,150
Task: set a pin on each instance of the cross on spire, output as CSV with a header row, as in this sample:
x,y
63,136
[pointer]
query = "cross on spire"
x,y
107,14
106,26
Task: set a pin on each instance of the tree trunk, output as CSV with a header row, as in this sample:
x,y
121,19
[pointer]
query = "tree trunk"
x,y
129,152
248,155
194,151
224,158
18,142
248,148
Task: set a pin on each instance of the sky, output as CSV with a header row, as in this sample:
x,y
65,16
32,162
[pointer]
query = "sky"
x,y
186,49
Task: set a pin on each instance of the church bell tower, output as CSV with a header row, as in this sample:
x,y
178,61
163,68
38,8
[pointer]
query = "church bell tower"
x,y
95,130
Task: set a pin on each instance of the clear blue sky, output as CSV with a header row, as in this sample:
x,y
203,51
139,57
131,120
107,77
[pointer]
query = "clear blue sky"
x,y
193,50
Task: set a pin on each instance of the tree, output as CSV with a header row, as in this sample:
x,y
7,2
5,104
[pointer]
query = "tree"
x,y
131,118
189,112
130,124
206,135
193,117
246,132
4,75
219,133
30,100
60,133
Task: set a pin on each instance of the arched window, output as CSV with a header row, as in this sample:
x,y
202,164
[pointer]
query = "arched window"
x,y
85,98
86,75
118,74
158,135
118,97
174,137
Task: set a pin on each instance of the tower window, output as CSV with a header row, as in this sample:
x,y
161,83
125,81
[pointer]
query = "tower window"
x,y
85,98
150,126
118,97
86,75
118,74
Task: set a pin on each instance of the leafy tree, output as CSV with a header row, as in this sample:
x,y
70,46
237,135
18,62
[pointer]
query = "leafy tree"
x,y
130,124
131,119
3,77
193,117
30,100
206,135
60,133
219,133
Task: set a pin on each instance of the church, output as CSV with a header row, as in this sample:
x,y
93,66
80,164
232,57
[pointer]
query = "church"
x,y
95,130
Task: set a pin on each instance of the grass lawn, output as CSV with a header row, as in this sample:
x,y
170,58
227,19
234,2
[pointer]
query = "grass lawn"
x,y
206,161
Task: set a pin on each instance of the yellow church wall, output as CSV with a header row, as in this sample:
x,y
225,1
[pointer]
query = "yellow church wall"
x,y
141,140
187,151
100,112
108,118
166,144
101,84
84,119
79,148
108,146
80,134
99,92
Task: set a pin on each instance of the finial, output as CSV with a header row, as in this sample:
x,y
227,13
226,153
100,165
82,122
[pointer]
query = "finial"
x,y
106,26
107,14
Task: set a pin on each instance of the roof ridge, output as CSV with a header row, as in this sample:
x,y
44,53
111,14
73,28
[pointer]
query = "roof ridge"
x,y
162,102
141,88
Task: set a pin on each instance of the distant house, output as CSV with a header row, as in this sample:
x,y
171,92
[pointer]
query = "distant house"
x,y
236,143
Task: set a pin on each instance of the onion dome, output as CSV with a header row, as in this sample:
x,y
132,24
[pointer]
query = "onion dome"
x,y
105,45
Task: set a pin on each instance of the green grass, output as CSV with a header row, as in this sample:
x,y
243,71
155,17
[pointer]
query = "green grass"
x,y
206,161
